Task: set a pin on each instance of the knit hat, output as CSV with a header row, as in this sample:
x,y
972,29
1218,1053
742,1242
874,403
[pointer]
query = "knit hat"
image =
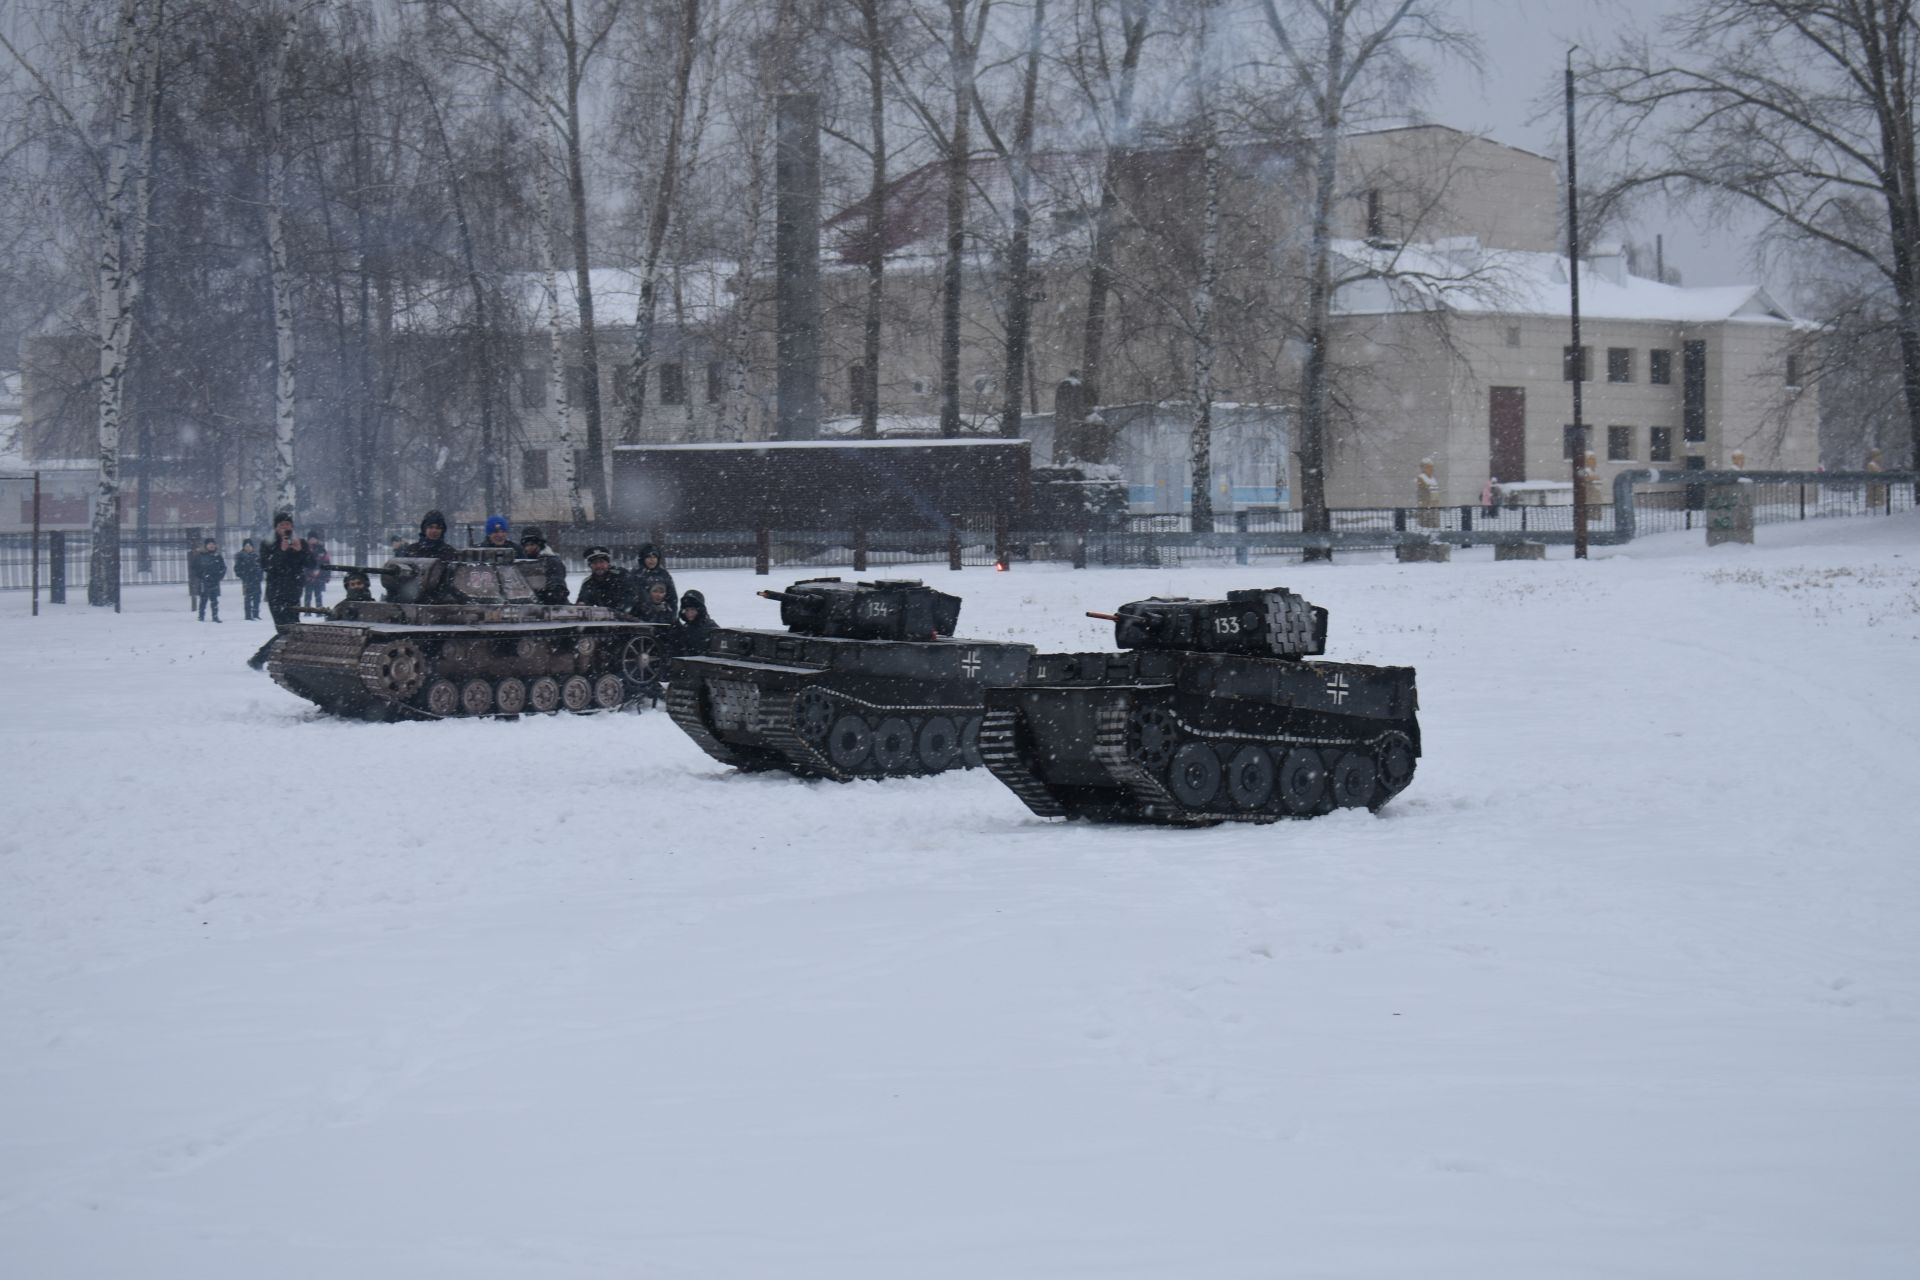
x,y
532,534
496,524
432,517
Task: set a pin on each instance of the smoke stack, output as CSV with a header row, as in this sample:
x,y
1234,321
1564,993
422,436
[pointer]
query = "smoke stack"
x,y
796,175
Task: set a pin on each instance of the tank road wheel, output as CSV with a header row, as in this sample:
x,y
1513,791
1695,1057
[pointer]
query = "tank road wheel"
x,y
970,744
813,716
1353,779
609,691
1153,737
1250,777
1303,782
893,745
576,693
938,745
476,697
637,666
1393,756
510,696
1194,776
543,695
443,698
395,670
849,742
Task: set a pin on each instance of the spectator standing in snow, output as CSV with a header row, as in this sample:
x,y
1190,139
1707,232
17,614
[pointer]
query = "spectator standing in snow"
x,y
652,569
208,568
433,539
533,546
284,562
606,586
317,575
246,567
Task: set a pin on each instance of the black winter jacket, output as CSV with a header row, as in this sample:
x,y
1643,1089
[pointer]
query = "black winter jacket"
x,y
554,590
209,567
611,590
285,570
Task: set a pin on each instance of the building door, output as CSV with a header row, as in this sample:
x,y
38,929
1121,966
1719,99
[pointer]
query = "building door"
x,y
1507,431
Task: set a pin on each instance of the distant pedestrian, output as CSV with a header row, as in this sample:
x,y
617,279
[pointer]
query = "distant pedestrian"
x,y
246,567
284,562
208,569
315,594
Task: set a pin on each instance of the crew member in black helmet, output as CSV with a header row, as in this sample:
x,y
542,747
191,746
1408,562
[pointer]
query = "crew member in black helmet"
x,y
606,586
433,539
533,546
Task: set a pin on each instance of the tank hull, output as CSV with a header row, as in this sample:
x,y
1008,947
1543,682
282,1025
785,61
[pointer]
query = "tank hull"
x,y
417,670
1194,739
824,707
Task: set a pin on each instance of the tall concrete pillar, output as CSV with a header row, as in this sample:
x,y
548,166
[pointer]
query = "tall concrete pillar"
x,y
796,173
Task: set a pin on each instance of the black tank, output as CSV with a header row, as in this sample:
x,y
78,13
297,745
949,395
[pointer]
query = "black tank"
x,y
866,682
1211,713
464,637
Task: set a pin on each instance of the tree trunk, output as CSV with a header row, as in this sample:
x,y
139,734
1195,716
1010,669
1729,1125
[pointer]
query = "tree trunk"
x,y
1314,397
657,221
876,222
960,63
739,405
1100,270
1200,443
594,481
280,271
557,352
1020,252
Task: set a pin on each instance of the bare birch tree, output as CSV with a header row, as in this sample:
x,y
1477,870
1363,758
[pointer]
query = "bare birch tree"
x,y
1200,438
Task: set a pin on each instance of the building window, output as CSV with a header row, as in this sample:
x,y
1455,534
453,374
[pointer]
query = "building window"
x,y
580,457
1619,444
1660,444
1659,367
1619,364
533,468
576,384
1513,335
1793,370
1569,434
713,381
533,387
1693,392
673,383
622,374
1571,360
1376,225
919,386
857,389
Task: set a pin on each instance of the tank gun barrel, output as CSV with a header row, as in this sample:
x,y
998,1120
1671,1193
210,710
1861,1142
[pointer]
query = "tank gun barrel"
x,y
1104,617
782,596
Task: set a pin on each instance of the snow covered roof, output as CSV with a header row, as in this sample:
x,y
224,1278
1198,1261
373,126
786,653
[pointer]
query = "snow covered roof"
x,y
1465,276
699,291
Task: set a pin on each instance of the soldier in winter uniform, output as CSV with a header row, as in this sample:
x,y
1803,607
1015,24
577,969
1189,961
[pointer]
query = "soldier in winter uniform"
x,y
433,539
533,546
358,590
208,568
246,567
606,586
284,563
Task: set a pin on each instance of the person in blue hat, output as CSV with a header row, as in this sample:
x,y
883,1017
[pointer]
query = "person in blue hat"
x,y
497,534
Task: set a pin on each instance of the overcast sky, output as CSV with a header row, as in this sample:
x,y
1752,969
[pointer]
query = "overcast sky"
x,y
1524,48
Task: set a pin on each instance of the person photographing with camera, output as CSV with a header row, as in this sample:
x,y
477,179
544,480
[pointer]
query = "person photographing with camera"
x,y
285,562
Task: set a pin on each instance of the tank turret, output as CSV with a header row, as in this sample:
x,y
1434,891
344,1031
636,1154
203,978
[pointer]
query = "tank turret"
x,y
892,609
1272,622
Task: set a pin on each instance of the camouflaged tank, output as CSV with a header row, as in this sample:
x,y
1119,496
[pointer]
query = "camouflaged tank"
x,y
464,637
1211,713
866,682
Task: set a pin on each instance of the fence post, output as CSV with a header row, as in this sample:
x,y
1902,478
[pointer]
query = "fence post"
x,y
1803,500
658,537
762,552
33,548
57,567
859,550
1080,547
953,548
1240,525
1466,519
1399,519
1000,541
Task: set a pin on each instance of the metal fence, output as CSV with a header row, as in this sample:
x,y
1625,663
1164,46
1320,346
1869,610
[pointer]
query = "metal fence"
x,y
1644,503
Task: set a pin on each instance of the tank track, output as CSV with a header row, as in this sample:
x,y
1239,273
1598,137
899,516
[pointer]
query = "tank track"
x,y
370,674
772,718
1144,780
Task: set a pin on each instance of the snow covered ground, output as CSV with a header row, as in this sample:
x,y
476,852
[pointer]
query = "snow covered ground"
x,y
1624,985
